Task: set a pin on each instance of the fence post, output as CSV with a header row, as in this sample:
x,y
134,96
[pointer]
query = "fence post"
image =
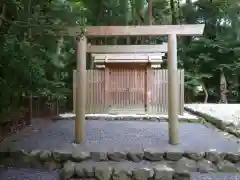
x,y
182,92
30,113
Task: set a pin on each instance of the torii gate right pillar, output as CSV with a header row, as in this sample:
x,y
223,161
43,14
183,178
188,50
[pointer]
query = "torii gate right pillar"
x,y
173,91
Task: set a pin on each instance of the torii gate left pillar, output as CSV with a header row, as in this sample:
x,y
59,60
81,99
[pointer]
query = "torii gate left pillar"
x,y
80,89
171,30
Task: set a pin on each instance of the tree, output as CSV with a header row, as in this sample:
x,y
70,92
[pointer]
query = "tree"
x,y
35,57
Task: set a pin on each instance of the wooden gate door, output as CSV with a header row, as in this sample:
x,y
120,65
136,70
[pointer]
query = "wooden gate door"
x,y
127,90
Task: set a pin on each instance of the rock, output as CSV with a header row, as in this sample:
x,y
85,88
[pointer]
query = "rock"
x,y
45,155
68,170
238,166
153,155
135,157
214,156
205,166
80,156
181,176
99,156
16,153
34,153
163,172
230,130
116,156
185,165
121,174
61,155
23,161
237,133
195,155
89,171
103,172
51,165
174,155
226,166
233,157
79,171
82,170
143,173
35,163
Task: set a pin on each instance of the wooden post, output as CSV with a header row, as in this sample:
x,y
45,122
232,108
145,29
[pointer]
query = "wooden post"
x,y
74,91
80,90
173,89
107,91
30,110
182,92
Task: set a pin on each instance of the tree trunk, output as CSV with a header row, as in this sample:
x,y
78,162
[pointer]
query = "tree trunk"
x,y
150,16
2,15
173,12
205,92
223,88
59,49
150,12
126,19
188,20
238,89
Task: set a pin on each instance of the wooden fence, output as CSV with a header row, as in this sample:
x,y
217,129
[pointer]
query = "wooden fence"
x,y
129,91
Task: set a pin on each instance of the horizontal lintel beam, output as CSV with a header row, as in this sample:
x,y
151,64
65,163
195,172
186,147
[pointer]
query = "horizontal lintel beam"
x,y
153,30
131,56
99,61
128,48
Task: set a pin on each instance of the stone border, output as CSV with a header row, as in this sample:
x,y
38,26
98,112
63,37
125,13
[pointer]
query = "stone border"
x,y
161,171
216,122
182,161
110,117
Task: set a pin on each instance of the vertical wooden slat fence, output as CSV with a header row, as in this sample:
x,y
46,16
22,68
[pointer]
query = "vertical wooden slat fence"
x,y
95,92
158,89
121,90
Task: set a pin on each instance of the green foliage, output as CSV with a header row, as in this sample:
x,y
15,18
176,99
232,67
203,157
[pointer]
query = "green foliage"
x,y
35,58
33,54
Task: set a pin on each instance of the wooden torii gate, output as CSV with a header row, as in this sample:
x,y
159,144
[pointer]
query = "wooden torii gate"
x,y
155,30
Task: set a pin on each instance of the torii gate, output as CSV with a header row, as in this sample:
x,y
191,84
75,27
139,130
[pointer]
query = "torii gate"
x,y
154,30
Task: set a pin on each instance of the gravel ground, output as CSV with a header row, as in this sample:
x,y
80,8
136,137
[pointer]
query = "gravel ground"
x,y
228,113
215,176
28,174
32,174
120,135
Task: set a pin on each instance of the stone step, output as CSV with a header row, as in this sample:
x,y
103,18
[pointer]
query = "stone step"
x,y
36,174
197,161
127,170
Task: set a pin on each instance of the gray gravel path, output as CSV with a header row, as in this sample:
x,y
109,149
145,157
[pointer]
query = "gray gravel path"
x,y
121,135
215,176
32,174
28,174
